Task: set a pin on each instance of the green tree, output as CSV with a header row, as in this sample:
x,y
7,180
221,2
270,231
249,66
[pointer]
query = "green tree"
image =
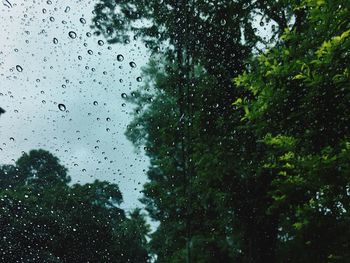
x,y
43,219
298,107
228,180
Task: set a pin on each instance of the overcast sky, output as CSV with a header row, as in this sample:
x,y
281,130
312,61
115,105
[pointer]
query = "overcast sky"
x,y
41,67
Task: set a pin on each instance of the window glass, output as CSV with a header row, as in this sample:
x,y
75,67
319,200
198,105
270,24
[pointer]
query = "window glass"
x,y
174,131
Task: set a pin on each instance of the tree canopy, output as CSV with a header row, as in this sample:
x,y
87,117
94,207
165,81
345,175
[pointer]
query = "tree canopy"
x,y
247,133
44,219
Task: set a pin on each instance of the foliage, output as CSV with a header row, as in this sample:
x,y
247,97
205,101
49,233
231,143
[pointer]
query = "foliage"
x,y
299,105
43,219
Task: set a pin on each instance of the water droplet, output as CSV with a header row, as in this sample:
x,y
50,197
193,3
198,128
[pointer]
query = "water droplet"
x,y
132,64
108,119
72,34
120,57
52,19
19,68
67,9
95,103
90,52
55,40
138,79
82,20
124,95
62,107
100,42
12,139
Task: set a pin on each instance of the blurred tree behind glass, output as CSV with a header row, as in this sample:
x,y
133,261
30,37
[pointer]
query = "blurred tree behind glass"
x,y
250,170
43,219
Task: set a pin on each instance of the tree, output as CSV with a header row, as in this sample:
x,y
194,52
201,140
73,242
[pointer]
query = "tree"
x,y
298,108
41,169
216,167
43,219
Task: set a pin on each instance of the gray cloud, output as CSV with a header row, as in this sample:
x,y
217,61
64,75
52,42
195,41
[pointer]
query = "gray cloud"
x,y
89,139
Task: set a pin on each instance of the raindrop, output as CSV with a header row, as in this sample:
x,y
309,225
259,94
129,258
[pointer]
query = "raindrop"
x,y
55,40
12,139
120,57
19,68
72,34
82,20
95,103
62,107
132,64
67,9
100,42
90,52
138,79
124,95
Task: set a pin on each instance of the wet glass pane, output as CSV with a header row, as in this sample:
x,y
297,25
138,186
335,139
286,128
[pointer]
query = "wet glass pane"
x,y
175,131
